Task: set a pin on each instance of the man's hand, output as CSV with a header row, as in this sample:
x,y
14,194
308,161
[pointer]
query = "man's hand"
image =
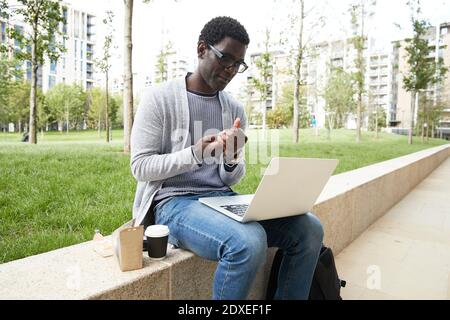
x,y
208,146
233,140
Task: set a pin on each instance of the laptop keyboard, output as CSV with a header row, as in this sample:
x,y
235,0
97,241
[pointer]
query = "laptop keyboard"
x,y
238,209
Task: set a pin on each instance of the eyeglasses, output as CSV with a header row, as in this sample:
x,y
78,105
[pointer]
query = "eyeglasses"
x,y
228,62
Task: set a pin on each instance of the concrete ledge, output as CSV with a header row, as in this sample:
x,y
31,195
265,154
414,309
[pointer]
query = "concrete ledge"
x,y
349,204
353,200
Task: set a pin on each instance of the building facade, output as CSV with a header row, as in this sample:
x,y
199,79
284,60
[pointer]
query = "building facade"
x,y
439,41
170,65
76,65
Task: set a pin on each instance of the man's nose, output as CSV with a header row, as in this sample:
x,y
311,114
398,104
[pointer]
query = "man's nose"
x,y
232,70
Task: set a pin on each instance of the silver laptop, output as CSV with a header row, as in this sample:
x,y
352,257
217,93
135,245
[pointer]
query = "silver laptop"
x,y
290,186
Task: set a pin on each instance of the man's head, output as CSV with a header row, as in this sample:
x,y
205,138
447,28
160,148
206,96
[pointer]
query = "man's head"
x,y
221,49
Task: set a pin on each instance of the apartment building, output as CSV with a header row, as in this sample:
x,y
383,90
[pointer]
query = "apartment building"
x,y
319,60
378,84
277,77
175,66
76,65
322,57
439,41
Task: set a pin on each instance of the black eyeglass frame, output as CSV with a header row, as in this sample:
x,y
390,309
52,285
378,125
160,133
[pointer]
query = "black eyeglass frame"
x,y
237,65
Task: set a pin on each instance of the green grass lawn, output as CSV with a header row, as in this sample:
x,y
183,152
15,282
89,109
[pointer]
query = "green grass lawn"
x,y
58,192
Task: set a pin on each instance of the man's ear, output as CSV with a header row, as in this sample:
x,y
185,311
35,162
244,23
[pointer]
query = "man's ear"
x,y
201,49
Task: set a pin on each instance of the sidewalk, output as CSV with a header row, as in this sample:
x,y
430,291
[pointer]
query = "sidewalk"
x,y
406,253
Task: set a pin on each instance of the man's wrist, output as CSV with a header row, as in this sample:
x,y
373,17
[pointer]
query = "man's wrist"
x,y
196,158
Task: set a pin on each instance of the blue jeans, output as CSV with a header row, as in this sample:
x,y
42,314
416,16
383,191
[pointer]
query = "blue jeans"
x,y
240,248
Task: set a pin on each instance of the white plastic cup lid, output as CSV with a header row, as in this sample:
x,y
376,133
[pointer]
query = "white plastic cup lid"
x,y
157,231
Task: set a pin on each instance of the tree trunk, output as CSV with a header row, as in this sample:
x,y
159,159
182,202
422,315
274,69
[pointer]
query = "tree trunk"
x,y
33,99
376,123
298,68
67,119
128,76
411,123
361,86
330,127
296,110
358,118
107,109
422,131
264,113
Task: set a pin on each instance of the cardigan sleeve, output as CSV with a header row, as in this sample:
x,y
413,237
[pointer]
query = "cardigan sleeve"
x,y
147,163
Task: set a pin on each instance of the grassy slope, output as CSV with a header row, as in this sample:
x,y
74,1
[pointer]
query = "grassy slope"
x,y
56,193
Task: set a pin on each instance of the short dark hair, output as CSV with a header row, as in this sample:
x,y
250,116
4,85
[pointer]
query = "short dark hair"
x,y
220,27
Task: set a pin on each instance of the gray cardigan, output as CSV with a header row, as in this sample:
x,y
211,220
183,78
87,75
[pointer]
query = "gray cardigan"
x,y
160,148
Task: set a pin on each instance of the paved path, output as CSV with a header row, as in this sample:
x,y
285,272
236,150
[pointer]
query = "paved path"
x,y
406,253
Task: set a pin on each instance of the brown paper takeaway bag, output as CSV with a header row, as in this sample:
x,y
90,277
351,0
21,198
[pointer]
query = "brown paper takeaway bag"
x,y
127,241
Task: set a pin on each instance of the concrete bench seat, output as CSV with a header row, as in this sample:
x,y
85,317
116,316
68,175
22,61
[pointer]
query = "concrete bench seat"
x,y
349,204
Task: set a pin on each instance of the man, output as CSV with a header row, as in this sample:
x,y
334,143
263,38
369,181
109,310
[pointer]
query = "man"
x,y
180,147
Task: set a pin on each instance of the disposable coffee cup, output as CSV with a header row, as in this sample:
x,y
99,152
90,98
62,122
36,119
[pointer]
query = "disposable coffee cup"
x,y
157,237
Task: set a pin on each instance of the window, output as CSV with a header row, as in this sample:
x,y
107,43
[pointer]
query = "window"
x,y
76,27
3,39
51,81
29,70
83,26
53,66
65,21
18,29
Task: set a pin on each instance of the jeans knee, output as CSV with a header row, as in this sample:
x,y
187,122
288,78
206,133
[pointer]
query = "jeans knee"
x,y
256,253
315,232
251,248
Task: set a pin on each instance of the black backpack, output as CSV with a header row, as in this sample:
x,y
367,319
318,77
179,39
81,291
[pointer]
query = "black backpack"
x,y
326,284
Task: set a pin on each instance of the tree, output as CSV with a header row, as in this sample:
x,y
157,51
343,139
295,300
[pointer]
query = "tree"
x,y
298,67
161,63
66,103
428,115
96,99
128,100
304,25
339,98
8,72
423,71
261,83
358,16
96,109
104,65
128,113
18,104
284,110
377,119
44,18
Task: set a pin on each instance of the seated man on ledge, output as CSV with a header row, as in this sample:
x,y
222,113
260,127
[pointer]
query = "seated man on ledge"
x,y
180,152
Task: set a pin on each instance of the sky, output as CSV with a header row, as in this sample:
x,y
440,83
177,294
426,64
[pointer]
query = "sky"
x,y
181,22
